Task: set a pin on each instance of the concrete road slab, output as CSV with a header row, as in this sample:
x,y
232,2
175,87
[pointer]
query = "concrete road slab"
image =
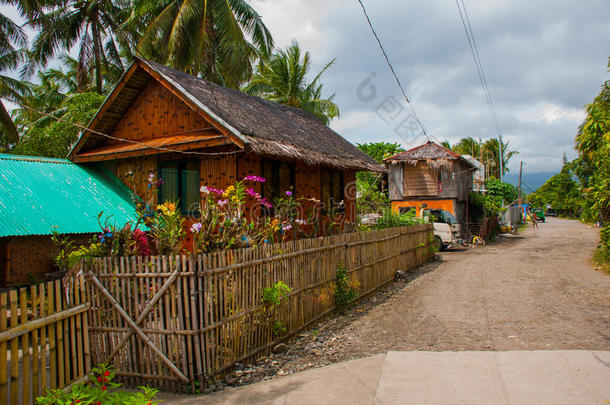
x,y
500,378
350,382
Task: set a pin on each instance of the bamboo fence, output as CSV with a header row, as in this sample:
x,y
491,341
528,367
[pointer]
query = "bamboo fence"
x,y
44,342
177,322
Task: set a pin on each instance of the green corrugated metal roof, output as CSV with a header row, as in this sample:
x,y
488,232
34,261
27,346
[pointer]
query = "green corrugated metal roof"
x,y
38,195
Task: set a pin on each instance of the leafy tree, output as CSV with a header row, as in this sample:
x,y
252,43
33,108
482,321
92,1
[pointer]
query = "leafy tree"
x,y
283,78
561,191
12,40
371,195
56,138
593,144
217,39
93,25
490,203
380,150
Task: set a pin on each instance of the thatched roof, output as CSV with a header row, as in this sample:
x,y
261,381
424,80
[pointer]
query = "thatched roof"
x,y
256,125
430,153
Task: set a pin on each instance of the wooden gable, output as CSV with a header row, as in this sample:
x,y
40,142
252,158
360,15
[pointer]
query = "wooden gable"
x,y
144,117
158,113
420,180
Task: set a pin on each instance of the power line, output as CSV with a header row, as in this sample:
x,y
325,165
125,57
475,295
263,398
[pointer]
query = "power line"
x,y
465,19
481,72
387,59
84,128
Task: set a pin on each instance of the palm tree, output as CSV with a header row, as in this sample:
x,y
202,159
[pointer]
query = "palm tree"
x,y
202,37
485,152
490,152
11,36
469,146
93,25
47,96
283,78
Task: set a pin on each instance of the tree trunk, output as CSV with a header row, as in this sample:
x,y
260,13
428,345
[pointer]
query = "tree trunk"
x,y
9,128
95,32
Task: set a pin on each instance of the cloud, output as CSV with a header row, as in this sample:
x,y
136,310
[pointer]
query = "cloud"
x,y
544,61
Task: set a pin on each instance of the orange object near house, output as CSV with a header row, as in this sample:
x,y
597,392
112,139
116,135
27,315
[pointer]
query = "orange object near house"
x,y
418,205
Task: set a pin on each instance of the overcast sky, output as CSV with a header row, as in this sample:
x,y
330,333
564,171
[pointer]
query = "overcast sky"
x,y
544,60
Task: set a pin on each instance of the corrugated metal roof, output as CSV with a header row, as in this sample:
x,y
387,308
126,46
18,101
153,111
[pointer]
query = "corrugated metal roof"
x,y
39,195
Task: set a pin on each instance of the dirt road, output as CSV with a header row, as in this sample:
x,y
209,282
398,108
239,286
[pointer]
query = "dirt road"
x,y
535,291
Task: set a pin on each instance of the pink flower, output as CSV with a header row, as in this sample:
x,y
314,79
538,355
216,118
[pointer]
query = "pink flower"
x,y
196,227
289,193
222,203
215,190
287,227
255,179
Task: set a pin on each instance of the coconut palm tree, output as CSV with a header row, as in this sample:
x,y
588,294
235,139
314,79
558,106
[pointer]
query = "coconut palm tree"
x,y
12,42
92,25
469,146
216,39
283,78
47,96
485,152
490,152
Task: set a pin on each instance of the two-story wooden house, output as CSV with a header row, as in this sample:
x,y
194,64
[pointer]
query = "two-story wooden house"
x,y
430,176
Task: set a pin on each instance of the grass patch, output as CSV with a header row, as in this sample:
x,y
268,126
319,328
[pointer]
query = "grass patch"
x,y
601,259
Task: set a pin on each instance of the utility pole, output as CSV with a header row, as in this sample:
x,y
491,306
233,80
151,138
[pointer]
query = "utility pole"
x,y
520,174
500,156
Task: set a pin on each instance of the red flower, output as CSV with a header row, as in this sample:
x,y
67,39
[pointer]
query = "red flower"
x,y
99,379
106,373
104,388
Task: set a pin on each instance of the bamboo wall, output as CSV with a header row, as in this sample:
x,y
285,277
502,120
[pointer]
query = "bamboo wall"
x,y
170,322
27,259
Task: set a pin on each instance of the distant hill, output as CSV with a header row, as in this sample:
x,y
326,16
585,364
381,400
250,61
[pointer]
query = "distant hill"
x,y
530,181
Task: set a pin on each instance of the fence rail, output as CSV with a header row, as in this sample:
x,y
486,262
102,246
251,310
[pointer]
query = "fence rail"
x,y
174,321
44,343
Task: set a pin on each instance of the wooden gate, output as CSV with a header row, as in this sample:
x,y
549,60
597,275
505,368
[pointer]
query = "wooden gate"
x,y
139,320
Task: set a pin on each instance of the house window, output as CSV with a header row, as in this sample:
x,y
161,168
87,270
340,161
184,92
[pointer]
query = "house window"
x,y
280,178
180,184
332,188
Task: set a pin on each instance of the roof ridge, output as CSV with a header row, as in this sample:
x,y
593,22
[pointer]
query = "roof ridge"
x,y
29,158
436,145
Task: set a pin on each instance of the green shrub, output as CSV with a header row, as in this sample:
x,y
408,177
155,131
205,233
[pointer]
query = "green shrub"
x,y
345,295
275,294
274,297
100,390
391,219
